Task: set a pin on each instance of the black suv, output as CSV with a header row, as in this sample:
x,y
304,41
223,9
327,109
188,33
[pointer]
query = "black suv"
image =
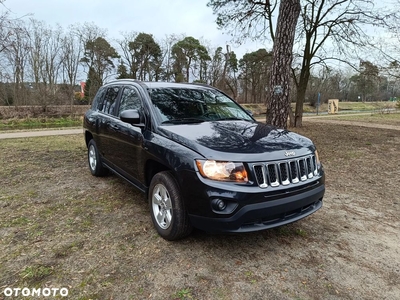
x,y
202,160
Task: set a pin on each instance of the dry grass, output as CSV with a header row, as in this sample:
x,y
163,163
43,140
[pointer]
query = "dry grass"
x,y
376,118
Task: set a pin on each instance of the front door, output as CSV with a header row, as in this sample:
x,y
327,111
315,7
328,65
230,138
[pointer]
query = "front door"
x,y
128,147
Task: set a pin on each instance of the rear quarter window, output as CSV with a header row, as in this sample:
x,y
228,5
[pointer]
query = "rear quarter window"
x,y
98,99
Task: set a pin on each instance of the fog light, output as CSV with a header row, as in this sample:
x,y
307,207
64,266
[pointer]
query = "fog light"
x,y
218,204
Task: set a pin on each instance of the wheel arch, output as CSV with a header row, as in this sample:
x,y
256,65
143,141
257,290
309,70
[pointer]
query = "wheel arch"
x,y
88,137
152,167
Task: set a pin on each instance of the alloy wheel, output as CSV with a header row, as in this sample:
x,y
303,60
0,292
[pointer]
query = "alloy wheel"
x,y
162,206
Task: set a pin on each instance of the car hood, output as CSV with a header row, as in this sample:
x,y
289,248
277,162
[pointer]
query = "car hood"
x,y
238,140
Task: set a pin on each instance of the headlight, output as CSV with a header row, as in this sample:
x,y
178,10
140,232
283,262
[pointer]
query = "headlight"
x,y
222,170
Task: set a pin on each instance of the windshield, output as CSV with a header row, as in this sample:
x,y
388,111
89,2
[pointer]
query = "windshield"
x,y
195,105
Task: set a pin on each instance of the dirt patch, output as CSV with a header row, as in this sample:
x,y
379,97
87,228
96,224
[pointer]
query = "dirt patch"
x,y
62,227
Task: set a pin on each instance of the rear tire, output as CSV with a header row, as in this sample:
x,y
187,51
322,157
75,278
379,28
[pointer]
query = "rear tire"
x,y
95,165
167,209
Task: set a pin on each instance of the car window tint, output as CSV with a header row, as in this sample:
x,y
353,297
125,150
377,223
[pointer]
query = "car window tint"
x,y
109,100
174,103
129,100
98,99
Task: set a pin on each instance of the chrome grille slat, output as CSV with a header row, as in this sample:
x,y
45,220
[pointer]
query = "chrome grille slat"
x,y
303,172
294,173
261,176
273,175
285,172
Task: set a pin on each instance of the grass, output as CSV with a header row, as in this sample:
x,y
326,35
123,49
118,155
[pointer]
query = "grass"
x,y
36,273
19,221
42,146
183,294
32,123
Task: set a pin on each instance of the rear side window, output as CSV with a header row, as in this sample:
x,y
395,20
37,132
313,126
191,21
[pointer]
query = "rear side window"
x,y
110,100
129,100
98,99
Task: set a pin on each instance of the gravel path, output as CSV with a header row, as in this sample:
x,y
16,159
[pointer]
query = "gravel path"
x,y
351,123
22,134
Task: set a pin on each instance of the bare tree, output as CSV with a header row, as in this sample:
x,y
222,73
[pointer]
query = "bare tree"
x,y
71,53
168,61
127,56
37,36
52,62
216,69
342,24
12,55
6,28
88,33
338,24
16,56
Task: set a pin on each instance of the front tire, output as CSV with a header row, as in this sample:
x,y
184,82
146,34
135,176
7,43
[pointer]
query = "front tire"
x,y
95,165
167,209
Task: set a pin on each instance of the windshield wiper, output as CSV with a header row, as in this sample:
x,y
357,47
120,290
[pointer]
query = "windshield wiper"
x,y
183,121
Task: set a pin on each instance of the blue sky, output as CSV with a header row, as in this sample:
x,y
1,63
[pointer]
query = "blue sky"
x,y
157,17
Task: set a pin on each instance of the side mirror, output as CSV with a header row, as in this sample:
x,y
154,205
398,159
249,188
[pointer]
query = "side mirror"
x,y
249,112
131,116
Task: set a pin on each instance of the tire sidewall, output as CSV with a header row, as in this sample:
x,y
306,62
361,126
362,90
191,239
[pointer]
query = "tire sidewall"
x,y
175,230
98,169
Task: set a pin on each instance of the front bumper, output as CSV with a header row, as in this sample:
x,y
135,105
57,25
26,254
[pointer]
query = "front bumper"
x,y
264,215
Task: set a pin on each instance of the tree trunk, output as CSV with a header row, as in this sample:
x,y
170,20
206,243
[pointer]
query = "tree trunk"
x,y
279,87
301,94
302,86
291,116
188,68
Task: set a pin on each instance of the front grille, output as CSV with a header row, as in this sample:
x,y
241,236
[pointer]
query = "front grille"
x,y
285,172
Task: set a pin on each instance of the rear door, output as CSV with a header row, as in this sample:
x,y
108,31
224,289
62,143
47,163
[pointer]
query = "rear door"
x,y
107,122
93,116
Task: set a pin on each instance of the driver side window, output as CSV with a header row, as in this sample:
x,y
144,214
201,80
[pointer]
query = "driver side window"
x,y
129,100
